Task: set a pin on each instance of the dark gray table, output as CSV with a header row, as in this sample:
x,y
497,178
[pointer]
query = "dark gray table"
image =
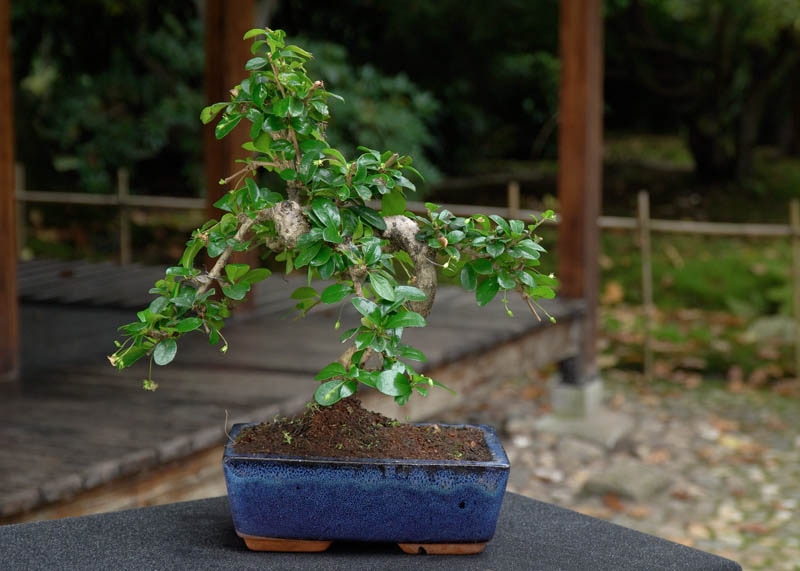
x,y
531,536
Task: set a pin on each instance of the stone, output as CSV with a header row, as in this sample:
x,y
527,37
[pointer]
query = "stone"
x,y
603,427
577,401
628,478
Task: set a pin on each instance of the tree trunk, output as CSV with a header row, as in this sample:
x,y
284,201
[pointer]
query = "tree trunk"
x,y
713,150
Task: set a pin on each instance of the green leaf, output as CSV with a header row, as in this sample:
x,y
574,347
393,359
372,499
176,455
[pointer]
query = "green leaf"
x,y
322,257
336,292
310,145
208,113
236,291
382,286
305,292
330,371
332,234
326,211
338,156
157,305
469,279
369,216
256,275
227,124
236,271
455,236
393,382
487,291
393,203
409,293
306,254
288,174
185,297
256,63
412,353
542,292
506,280
329,393
517,227
189,324
299,51
281,107
254,32
405,319
372,251
165,351
296,107
364,339
529,249
495,249
482,266
366,307
501,222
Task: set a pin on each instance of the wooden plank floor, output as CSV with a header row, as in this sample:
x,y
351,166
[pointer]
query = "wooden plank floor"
x,y
77,424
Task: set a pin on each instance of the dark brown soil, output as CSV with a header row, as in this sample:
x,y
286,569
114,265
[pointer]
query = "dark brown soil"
x,y
347,430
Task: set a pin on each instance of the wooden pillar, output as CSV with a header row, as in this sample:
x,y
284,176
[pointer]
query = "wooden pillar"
x,y
580,166
9,313
225,55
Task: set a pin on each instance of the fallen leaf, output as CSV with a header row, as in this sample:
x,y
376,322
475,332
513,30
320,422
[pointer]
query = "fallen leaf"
x,y
723,424
613,293
754,528
639,511
658,456
613,502
533,392
616,402
699,530
681,494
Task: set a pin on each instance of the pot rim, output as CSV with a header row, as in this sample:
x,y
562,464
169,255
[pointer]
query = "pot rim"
x,y
499,456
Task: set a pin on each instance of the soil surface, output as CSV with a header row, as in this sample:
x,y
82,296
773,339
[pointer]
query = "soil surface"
x,y
347,430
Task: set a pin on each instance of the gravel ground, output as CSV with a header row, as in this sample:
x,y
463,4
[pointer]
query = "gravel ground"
x,y
708,468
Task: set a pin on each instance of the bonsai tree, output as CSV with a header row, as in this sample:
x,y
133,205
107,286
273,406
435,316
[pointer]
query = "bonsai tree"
x,y
305,206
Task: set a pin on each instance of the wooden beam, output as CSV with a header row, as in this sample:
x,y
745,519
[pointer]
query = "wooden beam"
x,y
580,162
9,313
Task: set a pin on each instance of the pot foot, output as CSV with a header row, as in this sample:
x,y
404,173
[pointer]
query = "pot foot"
x,y
288,545
442,548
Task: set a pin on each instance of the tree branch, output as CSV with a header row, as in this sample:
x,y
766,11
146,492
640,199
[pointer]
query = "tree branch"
x,y
402,234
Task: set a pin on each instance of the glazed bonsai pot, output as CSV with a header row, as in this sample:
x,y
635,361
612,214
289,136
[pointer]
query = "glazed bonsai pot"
x,y
290,503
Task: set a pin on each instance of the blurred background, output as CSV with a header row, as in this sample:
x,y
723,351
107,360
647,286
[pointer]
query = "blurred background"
x,y
702,111
700,228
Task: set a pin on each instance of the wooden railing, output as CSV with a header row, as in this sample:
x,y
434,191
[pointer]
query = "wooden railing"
x,y
121,199
642,224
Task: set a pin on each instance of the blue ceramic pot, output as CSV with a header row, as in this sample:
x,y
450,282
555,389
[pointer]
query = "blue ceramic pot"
x,y
420,504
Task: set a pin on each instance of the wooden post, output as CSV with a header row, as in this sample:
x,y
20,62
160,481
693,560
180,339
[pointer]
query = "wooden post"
x,y
794,213
647,281
123,193
226,54
9,311
580,166
514,202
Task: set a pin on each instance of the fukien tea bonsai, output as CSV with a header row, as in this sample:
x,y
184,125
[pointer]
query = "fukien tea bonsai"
x,y
341,221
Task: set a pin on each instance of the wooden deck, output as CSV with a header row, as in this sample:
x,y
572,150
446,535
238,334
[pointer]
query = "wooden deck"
x,y
78,425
